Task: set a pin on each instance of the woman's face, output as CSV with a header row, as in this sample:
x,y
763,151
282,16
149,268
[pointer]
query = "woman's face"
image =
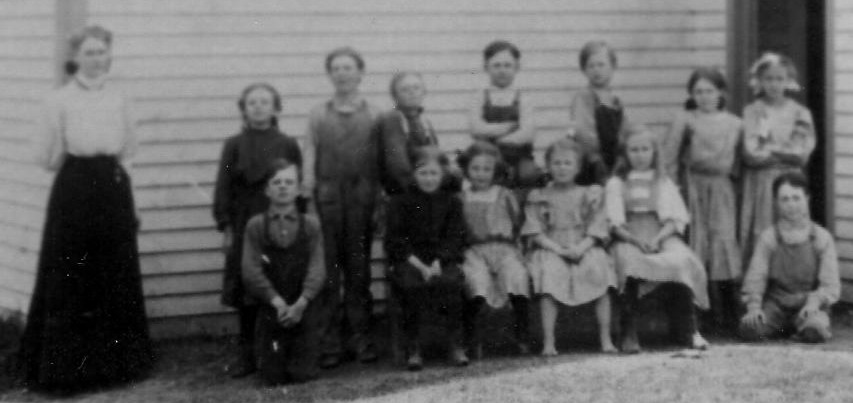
x,y
345,74
260,107
564,166
93,57
502,68
792,202
706,95
773,81
481,171
283,188
428,176
599,69
410,92
641,151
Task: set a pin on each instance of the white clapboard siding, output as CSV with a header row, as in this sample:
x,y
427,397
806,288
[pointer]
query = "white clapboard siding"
x,y
843,137
183,62
26,74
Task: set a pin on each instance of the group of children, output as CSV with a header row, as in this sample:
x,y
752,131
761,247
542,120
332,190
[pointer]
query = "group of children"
x,y
604,220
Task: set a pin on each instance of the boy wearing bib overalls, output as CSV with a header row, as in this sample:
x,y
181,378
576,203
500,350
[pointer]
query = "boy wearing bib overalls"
x,y
284,270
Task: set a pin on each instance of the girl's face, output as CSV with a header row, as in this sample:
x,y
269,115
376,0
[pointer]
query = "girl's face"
x,y
706,95
260,107
641,152
410,92
773,81
599,69
564,166
792,202
345,74
283,188
481,171
428,176
502,68
93,58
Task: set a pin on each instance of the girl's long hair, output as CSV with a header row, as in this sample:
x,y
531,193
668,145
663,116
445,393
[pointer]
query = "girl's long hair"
x,y
276,101
623,164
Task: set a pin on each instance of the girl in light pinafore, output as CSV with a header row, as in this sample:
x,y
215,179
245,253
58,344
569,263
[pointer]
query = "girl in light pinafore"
x,y
702,151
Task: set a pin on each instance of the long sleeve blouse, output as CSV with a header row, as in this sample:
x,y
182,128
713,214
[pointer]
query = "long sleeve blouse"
x,y
788,128
668,204
84,120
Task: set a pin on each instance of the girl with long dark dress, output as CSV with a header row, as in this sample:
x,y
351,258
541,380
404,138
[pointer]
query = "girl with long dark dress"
x,y
246,158
87,324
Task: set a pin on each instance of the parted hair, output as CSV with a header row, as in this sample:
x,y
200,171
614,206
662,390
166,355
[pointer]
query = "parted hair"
x,y
76,40
480,147
276,100
592,47
344,51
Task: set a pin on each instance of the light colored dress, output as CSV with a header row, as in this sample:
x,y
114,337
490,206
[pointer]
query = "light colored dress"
x,y
567,216
765,127
702,151
642,204
493,266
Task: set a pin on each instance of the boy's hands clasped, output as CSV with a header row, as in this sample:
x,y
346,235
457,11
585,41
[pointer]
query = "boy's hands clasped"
x,y
289,315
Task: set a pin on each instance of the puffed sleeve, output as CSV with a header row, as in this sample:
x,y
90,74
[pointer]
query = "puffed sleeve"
x,y
594,215
534,209
614,202
670,205
48,145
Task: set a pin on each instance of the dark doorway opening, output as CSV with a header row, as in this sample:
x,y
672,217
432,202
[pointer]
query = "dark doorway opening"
x,y
797,28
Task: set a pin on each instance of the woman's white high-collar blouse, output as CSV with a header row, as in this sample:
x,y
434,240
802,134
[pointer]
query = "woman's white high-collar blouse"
x,y
85,119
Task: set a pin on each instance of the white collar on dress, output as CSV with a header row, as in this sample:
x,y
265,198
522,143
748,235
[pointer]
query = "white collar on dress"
x,y
91,84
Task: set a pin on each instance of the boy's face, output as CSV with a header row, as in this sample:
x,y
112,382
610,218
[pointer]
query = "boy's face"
x,y
283,188
260,106
793,203
410,91
428,177
641,151
599,69
345,74
502,68
481,171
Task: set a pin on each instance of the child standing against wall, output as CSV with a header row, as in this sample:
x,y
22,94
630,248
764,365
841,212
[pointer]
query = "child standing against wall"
x,y
597,113
239,195
283,271
568,228
494,272
778,137
702,150
425,242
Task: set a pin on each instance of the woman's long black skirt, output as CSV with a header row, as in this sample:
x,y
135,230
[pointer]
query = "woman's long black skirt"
x,y
86,325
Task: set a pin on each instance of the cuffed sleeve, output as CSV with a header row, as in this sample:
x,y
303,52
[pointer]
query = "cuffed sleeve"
x,y
252,271
755,280
670,205
316,276
48,147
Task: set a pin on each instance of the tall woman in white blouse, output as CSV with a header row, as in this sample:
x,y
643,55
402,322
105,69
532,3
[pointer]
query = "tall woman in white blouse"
x,y
87,324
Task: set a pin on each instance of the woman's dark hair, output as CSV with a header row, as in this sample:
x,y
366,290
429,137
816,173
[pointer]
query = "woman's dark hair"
x,y
276,100
499,46
482,148
281,164
77,39
593,47
794,179
421,156
713,76
399,76
344,51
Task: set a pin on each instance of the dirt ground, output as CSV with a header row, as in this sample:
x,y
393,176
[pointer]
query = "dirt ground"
x,y
191,371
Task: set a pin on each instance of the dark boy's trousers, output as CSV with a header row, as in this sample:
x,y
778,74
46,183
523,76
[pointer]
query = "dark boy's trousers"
x,y
346,298
287,355
443,293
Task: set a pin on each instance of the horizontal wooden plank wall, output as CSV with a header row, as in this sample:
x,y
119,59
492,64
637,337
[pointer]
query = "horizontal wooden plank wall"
x,y
26,74
842,41
185,61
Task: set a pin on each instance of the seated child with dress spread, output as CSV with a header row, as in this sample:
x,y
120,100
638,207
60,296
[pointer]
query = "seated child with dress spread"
x,y
283,269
